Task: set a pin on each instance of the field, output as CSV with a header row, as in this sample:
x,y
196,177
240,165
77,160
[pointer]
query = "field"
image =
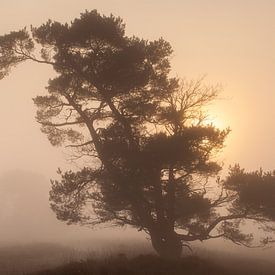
x,y
136,259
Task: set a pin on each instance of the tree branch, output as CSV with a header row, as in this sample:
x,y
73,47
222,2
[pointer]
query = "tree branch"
x,y
80,145
60,124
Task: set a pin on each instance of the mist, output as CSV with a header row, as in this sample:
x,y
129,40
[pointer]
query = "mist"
x,y
26,217
28,224
227,47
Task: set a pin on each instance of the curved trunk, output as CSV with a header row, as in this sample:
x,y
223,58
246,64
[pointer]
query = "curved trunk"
x,y
168,246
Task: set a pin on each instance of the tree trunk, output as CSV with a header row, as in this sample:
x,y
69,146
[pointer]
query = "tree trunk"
x,y
168,246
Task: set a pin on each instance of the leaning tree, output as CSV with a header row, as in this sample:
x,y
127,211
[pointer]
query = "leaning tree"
x,y
148,153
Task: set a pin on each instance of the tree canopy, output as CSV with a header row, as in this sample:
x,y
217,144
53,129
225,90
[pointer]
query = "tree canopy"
x,y
149,155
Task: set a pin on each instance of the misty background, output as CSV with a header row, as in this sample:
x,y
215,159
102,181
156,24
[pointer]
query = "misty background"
x,y
232,42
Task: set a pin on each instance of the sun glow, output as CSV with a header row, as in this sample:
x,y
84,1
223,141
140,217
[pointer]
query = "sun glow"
x,y
216,122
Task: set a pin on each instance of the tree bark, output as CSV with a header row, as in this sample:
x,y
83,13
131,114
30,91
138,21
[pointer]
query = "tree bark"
x,y
167,245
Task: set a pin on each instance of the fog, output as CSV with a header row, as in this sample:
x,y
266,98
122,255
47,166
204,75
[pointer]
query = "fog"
x,y
231,42
26,217
25,213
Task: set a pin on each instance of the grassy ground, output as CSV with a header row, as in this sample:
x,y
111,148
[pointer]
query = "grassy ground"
x,y
141,265
110,259
23,259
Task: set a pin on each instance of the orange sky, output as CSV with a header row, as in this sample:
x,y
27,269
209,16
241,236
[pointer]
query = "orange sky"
x,y
232,42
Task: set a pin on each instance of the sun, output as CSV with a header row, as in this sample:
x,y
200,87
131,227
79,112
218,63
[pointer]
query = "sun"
x,y
216,122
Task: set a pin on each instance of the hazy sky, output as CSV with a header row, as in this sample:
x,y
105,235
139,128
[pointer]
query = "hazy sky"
x,y
231,41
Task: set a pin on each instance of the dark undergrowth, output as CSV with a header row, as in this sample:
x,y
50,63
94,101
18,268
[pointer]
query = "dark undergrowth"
x,y
141,265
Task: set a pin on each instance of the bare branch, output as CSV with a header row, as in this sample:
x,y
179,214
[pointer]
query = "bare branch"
x,y
60,124
80,145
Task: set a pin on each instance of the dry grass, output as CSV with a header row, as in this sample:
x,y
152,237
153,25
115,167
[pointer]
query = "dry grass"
x,y
111,259
141,265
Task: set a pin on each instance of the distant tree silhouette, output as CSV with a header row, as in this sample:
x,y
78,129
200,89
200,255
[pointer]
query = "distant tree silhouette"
x,y
148,153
